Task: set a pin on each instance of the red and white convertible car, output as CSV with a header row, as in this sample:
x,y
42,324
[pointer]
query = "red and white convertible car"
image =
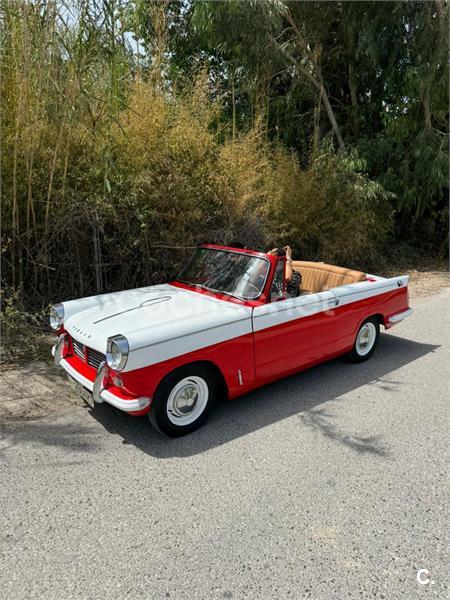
x,y
222,328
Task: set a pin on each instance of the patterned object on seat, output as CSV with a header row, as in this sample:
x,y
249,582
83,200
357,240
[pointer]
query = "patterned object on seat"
x,y
318,277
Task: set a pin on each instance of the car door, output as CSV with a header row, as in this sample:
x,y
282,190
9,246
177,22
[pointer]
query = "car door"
x,y
294,333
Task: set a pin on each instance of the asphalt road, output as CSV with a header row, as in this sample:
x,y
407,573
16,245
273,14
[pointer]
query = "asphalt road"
x,y
329,484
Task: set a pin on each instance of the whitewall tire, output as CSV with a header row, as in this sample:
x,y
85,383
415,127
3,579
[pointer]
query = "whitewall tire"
x,y
366,340
183,400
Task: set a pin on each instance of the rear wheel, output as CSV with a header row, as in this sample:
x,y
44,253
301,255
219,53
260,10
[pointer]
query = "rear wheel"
x,y
183,400
366,341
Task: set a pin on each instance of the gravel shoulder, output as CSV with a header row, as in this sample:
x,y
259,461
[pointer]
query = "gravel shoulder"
x,y
423,284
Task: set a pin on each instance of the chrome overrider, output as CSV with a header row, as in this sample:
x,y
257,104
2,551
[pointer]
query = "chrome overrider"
x,y
99,382
61,348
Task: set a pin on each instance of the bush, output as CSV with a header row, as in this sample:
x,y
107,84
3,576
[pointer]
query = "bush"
x,y
110,176
21,332
330,211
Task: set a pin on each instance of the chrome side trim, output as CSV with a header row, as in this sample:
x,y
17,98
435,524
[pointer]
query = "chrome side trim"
x,y
400,316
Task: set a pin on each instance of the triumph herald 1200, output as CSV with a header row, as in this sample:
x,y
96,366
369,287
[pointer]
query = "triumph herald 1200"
x,y
222,328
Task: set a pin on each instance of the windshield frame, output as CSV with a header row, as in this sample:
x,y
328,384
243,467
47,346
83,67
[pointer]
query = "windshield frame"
x,y
250,253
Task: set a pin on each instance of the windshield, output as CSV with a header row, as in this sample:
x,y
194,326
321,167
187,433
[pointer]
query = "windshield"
x,y
240,275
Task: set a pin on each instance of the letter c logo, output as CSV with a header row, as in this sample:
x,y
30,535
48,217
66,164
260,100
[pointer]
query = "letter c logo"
x,y
422,576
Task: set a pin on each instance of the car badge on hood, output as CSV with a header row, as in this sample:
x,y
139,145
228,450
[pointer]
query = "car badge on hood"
x,y
82,333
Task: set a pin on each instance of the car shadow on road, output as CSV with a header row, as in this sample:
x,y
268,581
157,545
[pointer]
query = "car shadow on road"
x,y
299,394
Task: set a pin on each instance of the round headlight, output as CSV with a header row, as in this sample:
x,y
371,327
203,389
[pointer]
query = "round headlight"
x,y
56,316
116,353
117,350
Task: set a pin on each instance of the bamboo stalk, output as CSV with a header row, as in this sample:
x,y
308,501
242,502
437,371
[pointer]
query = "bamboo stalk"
x,y
51,177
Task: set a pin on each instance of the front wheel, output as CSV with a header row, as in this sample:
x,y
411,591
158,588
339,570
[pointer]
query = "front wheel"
x,y
183,400
366,341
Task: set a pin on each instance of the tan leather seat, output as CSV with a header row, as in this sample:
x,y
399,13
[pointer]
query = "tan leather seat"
x,y
318,277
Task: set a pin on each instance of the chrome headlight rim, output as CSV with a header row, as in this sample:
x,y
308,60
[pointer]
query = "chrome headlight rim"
x,y
56,316
117,350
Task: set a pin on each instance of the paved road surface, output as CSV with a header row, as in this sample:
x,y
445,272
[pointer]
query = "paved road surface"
x,y
329,484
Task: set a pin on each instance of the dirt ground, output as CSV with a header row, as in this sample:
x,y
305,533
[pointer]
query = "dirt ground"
x,y
422,284
33,390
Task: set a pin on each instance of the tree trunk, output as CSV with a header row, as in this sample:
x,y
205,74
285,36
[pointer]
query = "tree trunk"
x,y
353,96
317,111
332,118
434,62
97,256
317,81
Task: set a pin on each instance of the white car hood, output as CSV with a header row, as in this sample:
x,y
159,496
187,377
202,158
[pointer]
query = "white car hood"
x,y
147,315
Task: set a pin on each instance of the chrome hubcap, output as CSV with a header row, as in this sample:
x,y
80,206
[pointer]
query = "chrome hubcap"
x,y
366,339
187,400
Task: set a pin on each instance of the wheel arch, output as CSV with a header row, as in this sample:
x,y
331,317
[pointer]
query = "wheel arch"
x,y
378,316
211,365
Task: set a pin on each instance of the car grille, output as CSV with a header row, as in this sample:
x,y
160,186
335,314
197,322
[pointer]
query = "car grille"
x,y
78,348
94,358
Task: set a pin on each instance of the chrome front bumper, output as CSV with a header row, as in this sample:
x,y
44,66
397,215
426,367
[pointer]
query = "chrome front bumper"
x,y
101,394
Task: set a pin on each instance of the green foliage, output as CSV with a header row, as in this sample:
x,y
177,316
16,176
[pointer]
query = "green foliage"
x,y
133,130
329,211
384,66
